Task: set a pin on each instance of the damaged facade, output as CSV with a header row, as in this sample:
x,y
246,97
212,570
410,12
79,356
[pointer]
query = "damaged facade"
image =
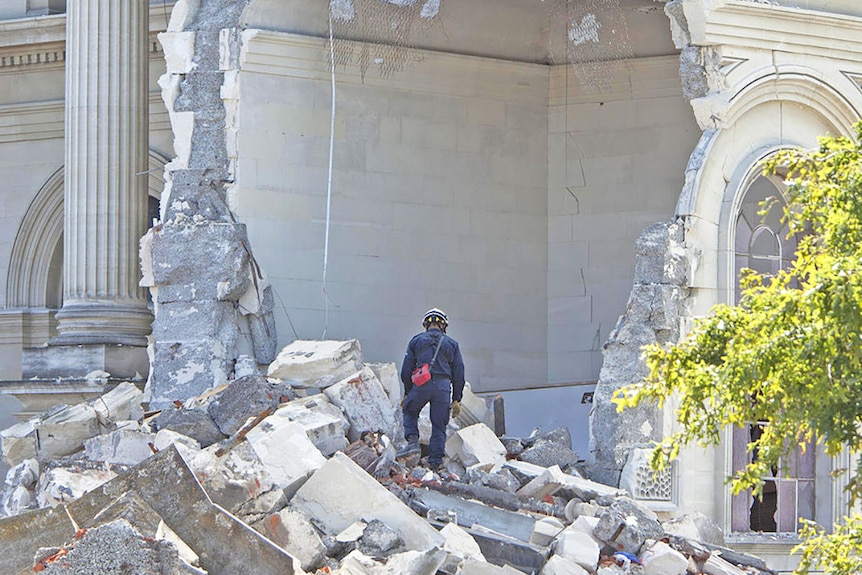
x,y
509,167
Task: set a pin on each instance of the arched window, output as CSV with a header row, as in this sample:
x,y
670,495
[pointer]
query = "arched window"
x,y
762,244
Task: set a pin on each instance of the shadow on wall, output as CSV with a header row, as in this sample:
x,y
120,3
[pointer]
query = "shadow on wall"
x,y
9,406
548,408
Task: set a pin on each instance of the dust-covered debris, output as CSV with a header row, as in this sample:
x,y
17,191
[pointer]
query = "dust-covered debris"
x,y
261,476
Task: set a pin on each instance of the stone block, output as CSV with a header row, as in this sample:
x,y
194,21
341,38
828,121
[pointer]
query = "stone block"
x,y
183,370
696,526
576,508
508,552
193,423
476,445
626,525
179,49
63,430
341,493
19,442
474,409
585,524
60,485
546,453
662,559
293,532
234,478
190,321
19,491
545,531
644,483
548,483
188,447
378,540
121,447
390,379
244,398
306,363
285,450
325,431
559,565
579,547
523,471
364,402
587,490
320,403
460,543
715,565
121,403
425,562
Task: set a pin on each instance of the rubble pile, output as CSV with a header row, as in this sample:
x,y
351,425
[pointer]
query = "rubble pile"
x,y
296,472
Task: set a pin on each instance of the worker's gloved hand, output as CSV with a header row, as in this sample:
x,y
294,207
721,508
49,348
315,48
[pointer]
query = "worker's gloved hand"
x,y
456,409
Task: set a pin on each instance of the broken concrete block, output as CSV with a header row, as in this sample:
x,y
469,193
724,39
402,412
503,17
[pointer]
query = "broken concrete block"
x,y
474,566
476,445
179,49
19,492
586,490
187,446
131,507
584,523
548,483
378,540
508,552
460,543
194,423
715,565
341,493
320,403
316,363
121,403
659,558
523,471
60,485
364,402
545,531
407,563
352,533
325,431
470,513
626,525
234,478
559,565
120,447
19,442
186,553
696,526
116,547
285,450
185,369
390,379
546,453
63,431
579,547
293,532
242,399
474,409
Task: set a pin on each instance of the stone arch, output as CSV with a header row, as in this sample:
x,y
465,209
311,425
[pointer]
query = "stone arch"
x,y
35,269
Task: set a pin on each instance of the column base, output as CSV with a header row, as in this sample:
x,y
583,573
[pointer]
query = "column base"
x,y
76,361
102,323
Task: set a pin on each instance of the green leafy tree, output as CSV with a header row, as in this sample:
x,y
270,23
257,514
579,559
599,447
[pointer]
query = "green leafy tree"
x,y
790,353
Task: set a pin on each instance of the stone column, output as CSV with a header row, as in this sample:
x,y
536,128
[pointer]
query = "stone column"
x,y
105,188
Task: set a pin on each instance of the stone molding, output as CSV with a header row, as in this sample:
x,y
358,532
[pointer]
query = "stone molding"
x,y
306,57
651,77
27,328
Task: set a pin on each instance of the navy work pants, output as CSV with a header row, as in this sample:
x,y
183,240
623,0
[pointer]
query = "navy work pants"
x,y
438,393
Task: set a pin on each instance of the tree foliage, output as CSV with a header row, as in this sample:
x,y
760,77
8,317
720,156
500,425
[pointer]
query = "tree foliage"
x,y
790,352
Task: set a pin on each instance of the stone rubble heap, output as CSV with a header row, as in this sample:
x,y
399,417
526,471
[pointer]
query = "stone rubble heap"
x,y
296,472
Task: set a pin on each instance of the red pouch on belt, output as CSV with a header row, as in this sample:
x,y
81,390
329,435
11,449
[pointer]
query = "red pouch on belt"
x,y
421,375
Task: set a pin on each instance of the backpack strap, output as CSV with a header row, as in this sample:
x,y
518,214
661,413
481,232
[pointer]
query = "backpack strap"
x,y
436,351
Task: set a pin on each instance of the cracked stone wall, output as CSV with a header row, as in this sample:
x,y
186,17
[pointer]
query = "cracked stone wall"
x,y
653,314
212,303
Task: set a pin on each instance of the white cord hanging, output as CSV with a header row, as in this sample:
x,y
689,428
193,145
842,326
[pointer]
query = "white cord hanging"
x,y
329,178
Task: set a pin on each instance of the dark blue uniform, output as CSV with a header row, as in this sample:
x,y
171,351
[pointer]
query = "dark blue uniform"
x,y
447,381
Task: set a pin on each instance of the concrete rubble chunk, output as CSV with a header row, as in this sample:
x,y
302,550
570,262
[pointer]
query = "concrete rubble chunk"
x,y
120,447
696,526
474,409
579,547
121,403
390,379
460,543
576,508
115,547
545,531
474,566
659,558
242,399
18,442
548,483
587,490
187,446
186,553
19,490
234,478
194,423
318,364
559,565
508,552
364,402
63,431
132,508
285,450
546,453
293,532
626,525
476,445
326,431
407,563
584,523
715,565
341,493
61,485
379,540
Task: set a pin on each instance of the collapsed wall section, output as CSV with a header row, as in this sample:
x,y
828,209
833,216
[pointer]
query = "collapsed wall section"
x,y
653,315
211,301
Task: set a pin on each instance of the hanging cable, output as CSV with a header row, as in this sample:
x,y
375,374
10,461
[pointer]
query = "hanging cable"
x,y
329,178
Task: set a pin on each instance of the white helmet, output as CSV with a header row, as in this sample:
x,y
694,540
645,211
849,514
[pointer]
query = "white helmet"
x,y
435,315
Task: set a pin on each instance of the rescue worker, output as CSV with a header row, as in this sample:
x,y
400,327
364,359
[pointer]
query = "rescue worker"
x,y
444,390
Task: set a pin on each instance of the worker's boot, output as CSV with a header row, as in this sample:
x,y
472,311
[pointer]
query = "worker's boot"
x,y
410,453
